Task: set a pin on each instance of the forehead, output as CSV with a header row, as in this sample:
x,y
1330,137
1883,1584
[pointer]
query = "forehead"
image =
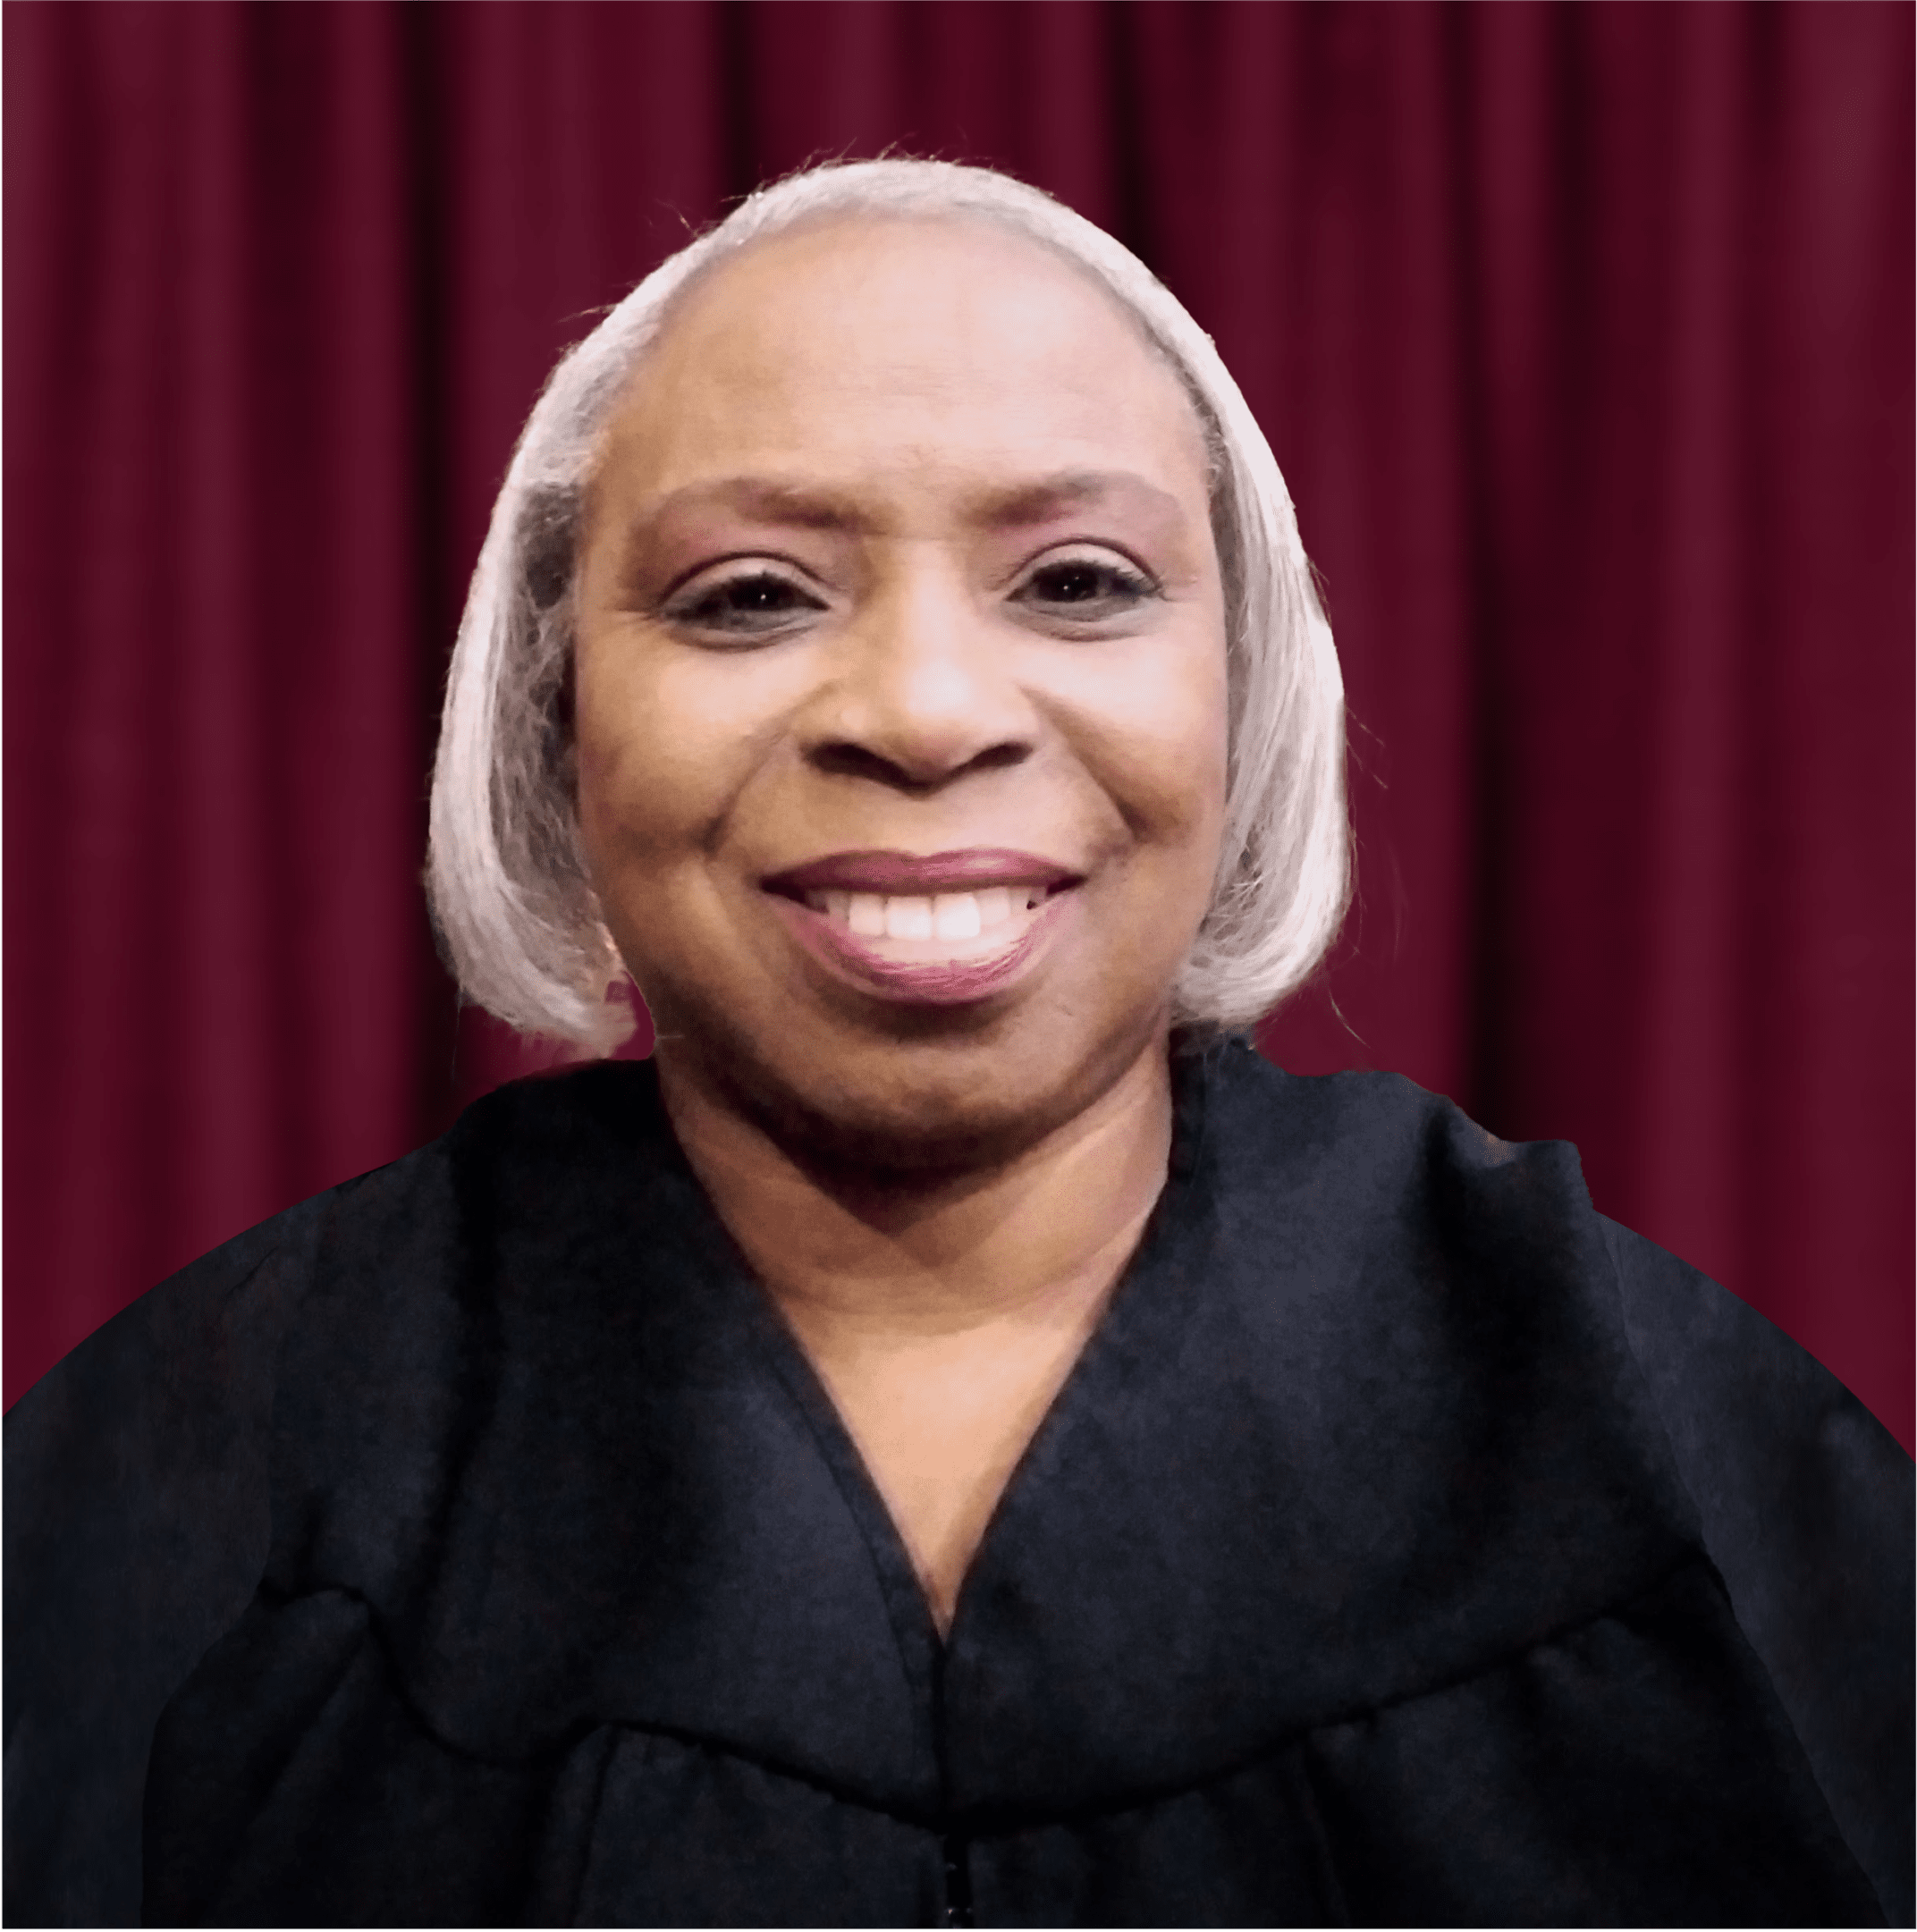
x,y
877,344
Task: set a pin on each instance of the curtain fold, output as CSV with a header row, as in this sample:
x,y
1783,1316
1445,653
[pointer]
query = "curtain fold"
x,y
1583,336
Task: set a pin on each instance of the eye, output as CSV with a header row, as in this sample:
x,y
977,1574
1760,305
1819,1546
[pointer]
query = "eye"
x,y
1086,588
752,604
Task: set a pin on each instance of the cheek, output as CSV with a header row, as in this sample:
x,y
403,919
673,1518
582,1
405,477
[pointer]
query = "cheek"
x,y
659,739
1154,734
621,783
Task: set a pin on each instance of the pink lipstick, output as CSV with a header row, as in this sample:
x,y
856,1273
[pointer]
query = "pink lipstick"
x,y
895,873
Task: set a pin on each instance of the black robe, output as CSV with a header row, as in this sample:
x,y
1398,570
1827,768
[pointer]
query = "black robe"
x,y
473,1545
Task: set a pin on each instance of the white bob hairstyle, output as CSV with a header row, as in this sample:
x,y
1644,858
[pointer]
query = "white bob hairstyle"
x,y
518,923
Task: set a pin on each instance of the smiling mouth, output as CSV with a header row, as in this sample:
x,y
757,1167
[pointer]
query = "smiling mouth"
x,y
976,921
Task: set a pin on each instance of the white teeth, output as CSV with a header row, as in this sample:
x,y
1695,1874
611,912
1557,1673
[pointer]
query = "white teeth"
x,y
954,915
908,918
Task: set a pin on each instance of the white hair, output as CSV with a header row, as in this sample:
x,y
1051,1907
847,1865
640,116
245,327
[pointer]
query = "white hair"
x,y
518,923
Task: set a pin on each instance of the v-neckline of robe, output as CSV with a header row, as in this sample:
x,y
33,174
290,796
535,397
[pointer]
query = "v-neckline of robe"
x,y
924,1650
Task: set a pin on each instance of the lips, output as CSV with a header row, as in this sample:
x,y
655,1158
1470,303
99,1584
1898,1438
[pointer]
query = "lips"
x,y
896,874
942,929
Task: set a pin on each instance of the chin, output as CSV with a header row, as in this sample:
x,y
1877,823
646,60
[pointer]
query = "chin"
x,y
938,1094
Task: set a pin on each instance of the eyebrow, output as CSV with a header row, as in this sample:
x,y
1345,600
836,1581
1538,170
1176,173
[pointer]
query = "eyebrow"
x,y
771,500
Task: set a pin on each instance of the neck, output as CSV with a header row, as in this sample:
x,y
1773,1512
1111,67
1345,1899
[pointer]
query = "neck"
x,y
941,1312
914,1256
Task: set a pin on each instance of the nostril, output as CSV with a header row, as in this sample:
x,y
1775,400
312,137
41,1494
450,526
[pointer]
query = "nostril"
x,y
998,758
844,758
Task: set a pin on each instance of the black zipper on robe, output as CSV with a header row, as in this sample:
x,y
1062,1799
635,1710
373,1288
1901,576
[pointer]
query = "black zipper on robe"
x,y
957,1881
955,1846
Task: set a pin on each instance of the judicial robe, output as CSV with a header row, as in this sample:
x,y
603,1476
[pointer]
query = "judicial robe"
x,y
1411,1544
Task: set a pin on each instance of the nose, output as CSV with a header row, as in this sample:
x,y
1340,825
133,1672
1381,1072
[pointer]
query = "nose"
x,y
922,690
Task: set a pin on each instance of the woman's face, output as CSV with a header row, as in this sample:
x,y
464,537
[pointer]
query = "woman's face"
x,y
900,689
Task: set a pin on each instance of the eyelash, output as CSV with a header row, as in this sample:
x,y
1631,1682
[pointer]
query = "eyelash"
x,y
710,598
1132,585
707,608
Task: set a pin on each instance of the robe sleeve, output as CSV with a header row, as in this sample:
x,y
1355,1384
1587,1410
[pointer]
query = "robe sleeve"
x,y
1806,1504
137,1525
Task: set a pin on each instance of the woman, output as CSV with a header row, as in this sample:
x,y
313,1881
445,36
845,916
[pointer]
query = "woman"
x,y
956,1437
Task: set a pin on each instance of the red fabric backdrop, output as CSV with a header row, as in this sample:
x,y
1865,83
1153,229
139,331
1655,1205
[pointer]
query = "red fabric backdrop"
x,y
1583,334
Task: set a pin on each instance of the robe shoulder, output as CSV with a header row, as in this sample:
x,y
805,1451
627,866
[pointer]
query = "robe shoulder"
x,y
1807,1505
1804,1502
138,1480
138,1520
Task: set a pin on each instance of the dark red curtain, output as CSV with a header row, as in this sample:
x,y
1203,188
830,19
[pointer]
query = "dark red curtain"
x,y
1584,335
